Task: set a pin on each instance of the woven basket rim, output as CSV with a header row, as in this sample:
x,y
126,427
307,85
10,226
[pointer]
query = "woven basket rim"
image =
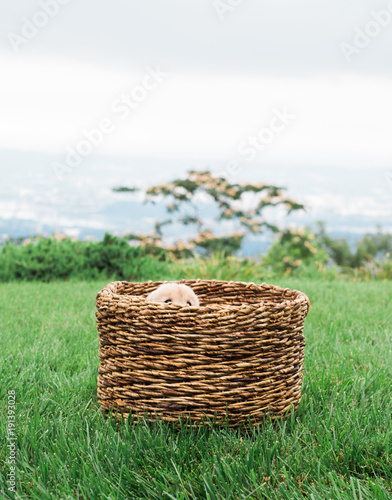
x,y
110,291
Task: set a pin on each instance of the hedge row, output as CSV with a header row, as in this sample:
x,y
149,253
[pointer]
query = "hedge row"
x,y
50,259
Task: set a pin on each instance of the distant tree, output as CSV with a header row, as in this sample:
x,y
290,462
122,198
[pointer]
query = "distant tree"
x,y
374,245
338,249
370,247
122,189
184,198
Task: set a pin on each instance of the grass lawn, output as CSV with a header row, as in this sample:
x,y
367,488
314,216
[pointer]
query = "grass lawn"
x,y
337,446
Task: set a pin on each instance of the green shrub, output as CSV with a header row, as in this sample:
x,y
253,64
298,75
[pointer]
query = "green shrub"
x,y
294,249
50,259
376,269
295,253
219,266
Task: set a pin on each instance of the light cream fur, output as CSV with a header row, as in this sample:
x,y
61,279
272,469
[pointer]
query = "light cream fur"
x,y
181,295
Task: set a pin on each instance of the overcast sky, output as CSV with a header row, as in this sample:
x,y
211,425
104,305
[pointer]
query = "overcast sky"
x,y
228,72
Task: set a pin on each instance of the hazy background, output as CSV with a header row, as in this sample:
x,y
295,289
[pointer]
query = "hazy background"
x,y
226,74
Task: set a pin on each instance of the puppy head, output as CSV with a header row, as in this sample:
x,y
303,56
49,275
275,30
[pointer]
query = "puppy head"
x,y
172,293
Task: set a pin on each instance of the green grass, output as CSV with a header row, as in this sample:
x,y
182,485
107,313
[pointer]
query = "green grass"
x,y
337,446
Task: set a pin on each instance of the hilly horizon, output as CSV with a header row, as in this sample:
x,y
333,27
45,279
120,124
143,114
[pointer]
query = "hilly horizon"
x,y
33,201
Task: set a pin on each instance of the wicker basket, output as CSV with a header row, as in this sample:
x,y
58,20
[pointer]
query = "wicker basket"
x,y
237,356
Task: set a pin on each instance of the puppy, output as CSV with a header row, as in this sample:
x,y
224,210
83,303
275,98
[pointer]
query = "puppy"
x,y
173,293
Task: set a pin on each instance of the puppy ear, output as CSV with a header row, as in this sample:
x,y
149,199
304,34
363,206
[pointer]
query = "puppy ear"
x,y
152,296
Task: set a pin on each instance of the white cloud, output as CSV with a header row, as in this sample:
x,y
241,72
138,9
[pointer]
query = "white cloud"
x,y
340,119
365,206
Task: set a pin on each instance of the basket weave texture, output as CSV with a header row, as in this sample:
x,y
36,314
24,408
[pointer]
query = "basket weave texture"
x,y
237,356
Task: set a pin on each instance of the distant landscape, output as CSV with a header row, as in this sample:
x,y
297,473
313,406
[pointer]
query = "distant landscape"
x,y
34,201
